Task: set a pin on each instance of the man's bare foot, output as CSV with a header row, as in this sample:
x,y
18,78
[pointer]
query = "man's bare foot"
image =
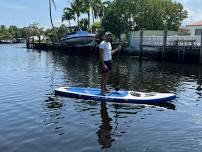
x,y
103,93
108,90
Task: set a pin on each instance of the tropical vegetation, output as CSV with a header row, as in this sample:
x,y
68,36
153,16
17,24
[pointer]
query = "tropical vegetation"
x,y
117,16
12,32
126,15
121,16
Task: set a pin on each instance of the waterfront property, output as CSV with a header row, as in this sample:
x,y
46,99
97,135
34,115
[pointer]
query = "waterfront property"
x,y
195,28
169,47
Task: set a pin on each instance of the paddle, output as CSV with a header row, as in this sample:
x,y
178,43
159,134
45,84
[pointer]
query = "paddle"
x,y
117,88
121,40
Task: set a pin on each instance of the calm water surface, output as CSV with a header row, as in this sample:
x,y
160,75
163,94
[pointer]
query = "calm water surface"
x,y
33,119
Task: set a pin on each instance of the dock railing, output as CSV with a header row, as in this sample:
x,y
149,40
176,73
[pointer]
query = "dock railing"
x,y
171,40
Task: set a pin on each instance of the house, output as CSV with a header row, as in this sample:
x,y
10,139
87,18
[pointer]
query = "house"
x,y
195,28
35,39
184,30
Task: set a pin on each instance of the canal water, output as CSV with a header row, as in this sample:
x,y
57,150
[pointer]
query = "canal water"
x,y
33,119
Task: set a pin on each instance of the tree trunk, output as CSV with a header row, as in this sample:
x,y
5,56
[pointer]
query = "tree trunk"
x,y
69,23
89,19
50,13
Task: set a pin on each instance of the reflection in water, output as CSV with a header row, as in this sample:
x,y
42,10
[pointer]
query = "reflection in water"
x,y
133,75
108,131
104,132
131,127
53,115
167,105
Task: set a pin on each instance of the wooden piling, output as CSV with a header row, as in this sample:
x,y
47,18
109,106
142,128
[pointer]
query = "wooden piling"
x,y
141,45
165,35
28,42
200,60
39,37
181,53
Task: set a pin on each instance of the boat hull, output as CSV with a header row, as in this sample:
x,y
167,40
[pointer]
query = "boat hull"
x,y
87,40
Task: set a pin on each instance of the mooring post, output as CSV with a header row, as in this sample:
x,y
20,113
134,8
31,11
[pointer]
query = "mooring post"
x,y
165,35
28,42
201,50
39,37
141,44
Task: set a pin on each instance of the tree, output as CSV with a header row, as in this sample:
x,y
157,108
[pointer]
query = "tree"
x,y
76,7
97,9
138,14
68,15
62,31
83,24
4,33
173,14
13,32
94,8
87,9
96,26
22,32
115,18
52,2
34,29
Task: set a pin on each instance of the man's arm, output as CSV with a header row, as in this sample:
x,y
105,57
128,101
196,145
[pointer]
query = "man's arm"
x,y
117,49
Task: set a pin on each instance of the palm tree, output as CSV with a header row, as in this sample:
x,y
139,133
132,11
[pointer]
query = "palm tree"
x,y
105,4
68,15
50,13
86,9
96,8
76,7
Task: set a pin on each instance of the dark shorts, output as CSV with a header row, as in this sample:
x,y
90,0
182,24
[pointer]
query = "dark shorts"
x,y
109,66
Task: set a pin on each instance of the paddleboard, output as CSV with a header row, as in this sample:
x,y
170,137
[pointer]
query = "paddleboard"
x,y
121,96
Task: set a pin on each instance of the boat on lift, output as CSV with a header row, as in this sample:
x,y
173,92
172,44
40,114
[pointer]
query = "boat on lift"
x,y
79,38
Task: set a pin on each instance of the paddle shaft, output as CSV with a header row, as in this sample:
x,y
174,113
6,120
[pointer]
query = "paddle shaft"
x,y
117,73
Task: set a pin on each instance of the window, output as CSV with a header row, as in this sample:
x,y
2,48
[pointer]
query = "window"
x,y
198,31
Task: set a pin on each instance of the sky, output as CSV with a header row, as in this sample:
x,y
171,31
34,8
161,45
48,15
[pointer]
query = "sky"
x,y
24,12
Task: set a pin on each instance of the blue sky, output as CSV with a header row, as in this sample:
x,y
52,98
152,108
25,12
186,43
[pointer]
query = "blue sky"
x,y
23,12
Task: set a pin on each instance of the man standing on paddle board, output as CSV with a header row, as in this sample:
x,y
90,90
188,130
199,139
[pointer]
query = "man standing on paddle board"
x,y
105,54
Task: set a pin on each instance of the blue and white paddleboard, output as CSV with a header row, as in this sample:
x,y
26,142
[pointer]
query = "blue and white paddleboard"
x,y
120,96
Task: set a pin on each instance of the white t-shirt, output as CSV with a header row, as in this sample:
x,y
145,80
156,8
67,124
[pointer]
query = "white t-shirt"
x,y
107,54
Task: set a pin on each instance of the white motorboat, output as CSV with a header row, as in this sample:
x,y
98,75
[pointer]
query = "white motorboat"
x,y
79,38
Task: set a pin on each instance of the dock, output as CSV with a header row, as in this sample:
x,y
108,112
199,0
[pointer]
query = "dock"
x,y
182,49
70,50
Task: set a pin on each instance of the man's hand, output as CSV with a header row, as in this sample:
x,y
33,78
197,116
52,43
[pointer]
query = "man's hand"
x,y
119,47
104,67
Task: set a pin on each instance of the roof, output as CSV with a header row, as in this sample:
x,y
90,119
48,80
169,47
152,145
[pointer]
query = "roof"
x,y
199,23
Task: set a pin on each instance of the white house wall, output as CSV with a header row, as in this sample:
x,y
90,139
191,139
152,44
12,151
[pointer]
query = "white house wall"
x,y
193,28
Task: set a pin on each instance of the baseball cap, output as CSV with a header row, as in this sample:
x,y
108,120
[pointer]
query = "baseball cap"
x,y
108,33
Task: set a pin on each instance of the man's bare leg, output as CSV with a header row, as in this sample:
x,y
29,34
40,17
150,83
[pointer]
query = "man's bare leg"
x,y
103,83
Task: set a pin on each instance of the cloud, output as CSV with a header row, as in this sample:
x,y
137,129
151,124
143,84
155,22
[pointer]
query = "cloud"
x,y
14,6
187,1
193,8
193,16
